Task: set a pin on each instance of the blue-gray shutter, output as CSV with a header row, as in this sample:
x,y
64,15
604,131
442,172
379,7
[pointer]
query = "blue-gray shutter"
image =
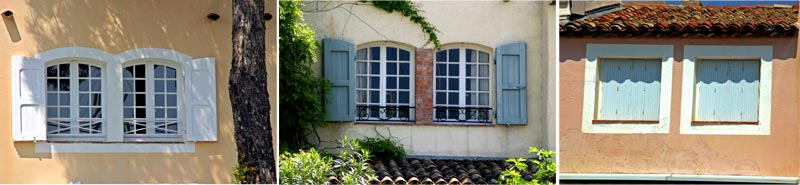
x,y
511,84
727,90
339,68
630,89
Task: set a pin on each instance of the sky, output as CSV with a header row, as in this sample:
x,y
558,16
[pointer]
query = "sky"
x,y
737,3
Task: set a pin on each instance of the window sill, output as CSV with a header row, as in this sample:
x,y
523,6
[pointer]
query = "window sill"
x,y
470,124
59,147
724,122
624,121
384,122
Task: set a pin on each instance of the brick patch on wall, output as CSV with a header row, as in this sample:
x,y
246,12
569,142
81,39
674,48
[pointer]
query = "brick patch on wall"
x,y
424,86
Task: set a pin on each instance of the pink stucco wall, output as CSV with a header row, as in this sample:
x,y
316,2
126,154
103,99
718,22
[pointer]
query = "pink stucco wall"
x,y
674,153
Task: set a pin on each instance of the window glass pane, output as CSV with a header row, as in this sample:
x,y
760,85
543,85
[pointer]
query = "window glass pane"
x,y
158,85
83,85
161,113
64,113
391,68
375,53
140,86
452,55
441,98
128,99
404,83
391,53
141,113
64,99
96,72
453,68
453,98
127,72
127,112
140,100
52,112
96,85
404,97
361,68
159,71
483,99
441,69
84,113
83,99
405,55
63,85
483,70
52,71
127,85
83,70
469,97
172,113
404,69
172,100
361,54
391,82
361,82
441,83
361,96
470,57
391,96
63,70
97,99
484,57
374,83
52,84
171,73
52,99
97,113
441,56
453,84
484,85
373,96
470,84
172,86
160,100
375,68
139,71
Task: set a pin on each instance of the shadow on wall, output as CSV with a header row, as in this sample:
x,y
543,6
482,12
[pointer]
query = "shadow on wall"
x,y
117,26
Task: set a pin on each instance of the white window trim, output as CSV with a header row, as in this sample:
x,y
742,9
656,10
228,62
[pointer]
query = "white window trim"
x,y
691,55
113,98
633,51
382,87
462,83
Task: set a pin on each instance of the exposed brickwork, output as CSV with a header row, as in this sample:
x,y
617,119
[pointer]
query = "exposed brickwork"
x,y
424,86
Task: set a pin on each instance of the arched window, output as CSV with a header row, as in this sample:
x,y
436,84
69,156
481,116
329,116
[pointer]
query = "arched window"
x,y
152,93
74,100
384,83
462,82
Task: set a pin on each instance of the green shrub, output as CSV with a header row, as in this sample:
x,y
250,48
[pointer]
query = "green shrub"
x,y
383,148
351,166
304,167
545,172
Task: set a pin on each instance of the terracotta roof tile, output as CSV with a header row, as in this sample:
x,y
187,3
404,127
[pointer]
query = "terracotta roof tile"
x,y
438,171
659,20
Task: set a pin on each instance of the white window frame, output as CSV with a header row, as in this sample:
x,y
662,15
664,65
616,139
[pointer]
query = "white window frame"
x,y
150,105
462,83
113,141
75,98
594,54
693,53
382,78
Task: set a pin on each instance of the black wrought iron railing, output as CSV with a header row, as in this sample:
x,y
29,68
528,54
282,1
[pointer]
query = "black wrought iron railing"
x,y
384,113
462,114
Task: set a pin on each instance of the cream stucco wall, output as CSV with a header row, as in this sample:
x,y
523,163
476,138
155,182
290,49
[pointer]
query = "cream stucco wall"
x,y
114,27
485,23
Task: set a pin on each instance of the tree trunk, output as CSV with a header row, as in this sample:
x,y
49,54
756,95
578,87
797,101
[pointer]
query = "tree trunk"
x,y
248,92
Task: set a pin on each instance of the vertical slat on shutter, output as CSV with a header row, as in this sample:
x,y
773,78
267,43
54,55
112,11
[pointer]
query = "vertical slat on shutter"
x,y
339,64
28,99
511,84
201,99
630,89
728,90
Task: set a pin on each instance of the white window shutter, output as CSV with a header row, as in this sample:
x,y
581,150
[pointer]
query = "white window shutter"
x,y
201,100
28,99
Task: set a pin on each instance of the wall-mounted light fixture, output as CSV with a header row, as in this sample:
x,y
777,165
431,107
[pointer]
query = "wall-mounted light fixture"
x,y
212,16
7,13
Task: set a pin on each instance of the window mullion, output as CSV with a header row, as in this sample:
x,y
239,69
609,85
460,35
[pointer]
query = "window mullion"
x,y
462,86
73,97
150,96
382,79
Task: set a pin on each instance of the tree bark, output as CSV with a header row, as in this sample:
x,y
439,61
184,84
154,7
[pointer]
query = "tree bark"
x,y
248,92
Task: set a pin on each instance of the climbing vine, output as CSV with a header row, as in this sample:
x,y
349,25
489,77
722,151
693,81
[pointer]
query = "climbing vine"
x,y
302,92
410,10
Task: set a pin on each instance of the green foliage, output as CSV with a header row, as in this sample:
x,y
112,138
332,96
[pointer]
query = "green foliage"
x,y
383,148
545,172
301,100
241,171
304,167
351,167
411,10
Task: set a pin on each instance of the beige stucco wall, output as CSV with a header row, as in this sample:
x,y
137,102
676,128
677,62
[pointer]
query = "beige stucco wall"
x,y
675,153
488,24
114,27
